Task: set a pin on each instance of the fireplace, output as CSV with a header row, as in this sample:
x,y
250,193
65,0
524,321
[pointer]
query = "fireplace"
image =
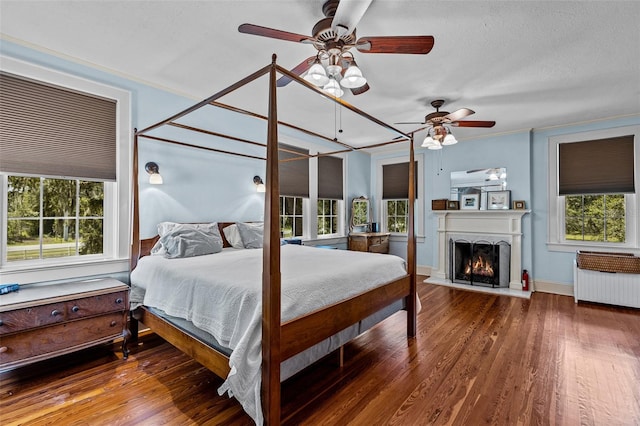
x,y
479,262
480,225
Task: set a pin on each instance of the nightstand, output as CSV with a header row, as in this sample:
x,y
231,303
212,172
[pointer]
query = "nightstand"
x,y
42,321
373,242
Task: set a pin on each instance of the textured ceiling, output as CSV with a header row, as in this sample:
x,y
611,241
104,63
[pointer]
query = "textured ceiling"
x,y
524,64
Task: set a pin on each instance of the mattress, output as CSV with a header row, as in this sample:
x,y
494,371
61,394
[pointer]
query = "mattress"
x,y
221,294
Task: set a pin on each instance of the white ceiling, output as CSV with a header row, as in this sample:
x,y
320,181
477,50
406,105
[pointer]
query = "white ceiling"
x,y
524,64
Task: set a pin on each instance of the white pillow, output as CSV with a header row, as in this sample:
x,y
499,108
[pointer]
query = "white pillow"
x,y
232,234
251,234
187,240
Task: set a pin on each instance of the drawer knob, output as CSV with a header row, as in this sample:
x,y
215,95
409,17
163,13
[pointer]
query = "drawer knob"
x,y
3,349
1,323
76,308
55,313
113,323
119,300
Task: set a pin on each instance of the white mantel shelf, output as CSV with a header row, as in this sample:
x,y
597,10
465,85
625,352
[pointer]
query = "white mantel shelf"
x,y
496,224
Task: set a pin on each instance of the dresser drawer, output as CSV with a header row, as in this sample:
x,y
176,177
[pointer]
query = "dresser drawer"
x,y
379,248
374,241
23,319
89,306
61,337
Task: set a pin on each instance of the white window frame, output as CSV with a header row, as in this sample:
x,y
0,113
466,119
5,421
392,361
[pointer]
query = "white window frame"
x,y
556,221
338,218
419,204
117,195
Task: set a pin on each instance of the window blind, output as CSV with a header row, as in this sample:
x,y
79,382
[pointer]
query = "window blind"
x,y
294,175
47,130
395,181
330,178
602,166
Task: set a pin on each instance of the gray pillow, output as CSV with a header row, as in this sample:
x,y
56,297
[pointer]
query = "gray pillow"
x,y
233,236
251,234
189,239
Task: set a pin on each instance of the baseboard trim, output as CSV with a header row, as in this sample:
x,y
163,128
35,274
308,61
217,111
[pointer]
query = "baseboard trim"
x,y
423,270
554,288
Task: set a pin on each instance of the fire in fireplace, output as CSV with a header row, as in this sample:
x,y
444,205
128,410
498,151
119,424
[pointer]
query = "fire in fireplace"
x,y
480,262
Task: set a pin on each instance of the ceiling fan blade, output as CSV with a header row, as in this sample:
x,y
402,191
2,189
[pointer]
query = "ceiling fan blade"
x,y
348,14
360,90
410,122
272,33
457,115
473,123
299,69
418,45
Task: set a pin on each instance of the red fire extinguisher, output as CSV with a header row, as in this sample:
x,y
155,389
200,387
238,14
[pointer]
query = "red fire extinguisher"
x,y
525,280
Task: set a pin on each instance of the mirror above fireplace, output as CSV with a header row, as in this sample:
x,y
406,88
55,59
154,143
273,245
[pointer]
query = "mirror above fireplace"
x,y
478,181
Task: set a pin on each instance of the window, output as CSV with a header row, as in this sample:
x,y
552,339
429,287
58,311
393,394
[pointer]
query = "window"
x,y
294,189
330,195
327,217
64,199
592,190
291,217
393,184
397,216
595,218
50,218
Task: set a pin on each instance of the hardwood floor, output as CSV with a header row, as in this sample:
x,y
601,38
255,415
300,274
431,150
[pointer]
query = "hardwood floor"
x,y
478,359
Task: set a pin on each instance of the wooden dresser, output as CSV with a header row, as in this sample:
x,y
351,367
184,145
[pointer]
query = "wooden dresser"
x,y
374,242
42,321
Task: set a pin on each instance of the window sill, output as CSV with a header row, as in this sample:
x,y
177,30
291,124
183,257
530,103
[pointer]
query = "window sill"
x,y
336,239
25,274
575,246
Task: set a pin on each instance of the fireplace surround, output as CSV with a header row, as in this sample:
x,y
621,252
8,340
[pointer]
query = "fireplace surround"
x,y
491,226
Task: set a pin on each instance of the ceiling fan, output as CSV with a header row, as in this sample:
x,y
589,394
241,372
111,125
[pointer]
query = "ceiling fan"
x,y
333,37
438,134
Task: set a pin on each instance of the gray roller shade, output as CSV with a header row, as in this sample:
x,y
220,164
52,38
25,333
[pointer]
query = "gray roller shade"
x,y
330,178
294,175
603,166
47,130
395,181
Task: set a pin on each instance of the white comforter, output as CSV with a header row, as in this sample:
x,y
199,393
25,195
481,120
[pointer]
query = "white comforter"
x,y
221,294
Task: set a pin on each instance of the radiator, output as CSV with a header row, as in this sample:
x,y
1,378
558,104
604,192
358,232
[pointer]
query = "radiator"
x,y
606,287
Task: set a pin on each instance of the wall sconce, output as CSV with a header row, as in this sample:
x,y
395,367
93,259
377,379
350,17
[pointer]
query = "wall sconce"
x,y
153,169
257,180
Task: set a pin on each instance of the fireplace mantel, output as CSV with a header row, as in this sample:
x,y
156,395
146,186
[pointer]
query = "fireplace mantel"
x,y
502,224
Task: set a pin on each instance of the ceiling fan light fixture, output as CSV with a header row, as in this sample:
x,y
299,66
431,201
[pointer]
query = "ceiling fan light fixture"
x,y
449,140
435,146
317,75
333,88
428,141
353,77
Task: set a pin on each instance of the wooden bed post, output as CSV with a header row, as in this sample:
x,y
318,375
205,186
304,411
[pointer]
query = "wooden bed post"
x,y
271,268
135,237
411,247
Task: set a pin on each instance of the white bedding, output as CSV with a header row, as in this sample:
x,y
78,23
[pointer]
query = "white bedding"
x,y
221,294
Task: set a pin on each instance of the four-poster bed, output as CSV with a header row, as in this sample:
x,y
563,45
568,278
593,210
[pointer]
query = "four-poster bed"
x,y
280,340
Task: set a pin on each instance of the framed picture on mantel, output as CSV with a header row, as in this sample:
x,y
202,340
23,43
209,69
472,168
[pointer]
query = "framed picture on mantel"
x,y
470,202
498,200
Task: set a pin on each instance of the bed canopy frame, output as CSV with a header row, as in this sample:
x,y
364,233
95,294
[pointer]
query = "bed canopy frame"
x,y
282,340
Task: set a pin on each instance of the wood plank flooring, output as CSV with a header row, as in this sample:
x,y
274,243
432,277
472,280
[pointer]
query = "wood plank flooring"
x,y
478,359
